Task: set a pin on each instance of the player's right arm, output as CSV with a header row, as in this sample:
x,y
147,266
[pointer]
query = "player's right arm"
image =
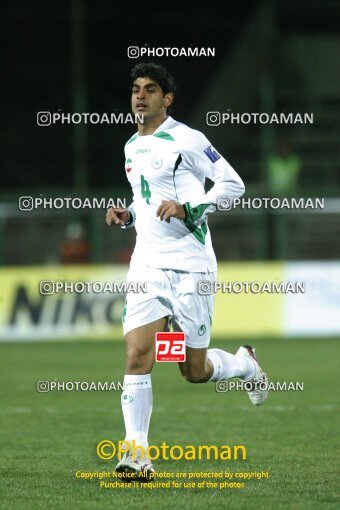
x,y
120,216
117,215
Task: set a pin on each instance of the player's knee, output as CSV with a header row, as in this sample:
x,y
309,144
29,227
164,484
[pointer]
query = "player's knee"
x,y
137,356
137,350
194,375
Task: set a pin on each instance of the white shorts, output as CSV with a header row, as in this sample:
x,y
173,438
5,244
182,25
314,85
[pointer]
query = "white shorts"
x,y
173,294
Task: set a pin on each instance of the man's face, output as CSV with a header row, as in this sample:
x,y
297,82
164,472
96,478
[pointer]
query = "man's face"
x,y
147,98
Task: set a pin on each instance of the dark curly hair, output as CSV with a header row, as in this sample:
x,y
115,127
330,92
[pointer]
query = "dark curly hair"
x,y
157,73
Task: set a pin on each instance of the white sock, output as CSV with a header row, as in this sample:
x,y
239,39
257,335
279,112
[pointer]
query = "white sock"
x,y
226,366
136,402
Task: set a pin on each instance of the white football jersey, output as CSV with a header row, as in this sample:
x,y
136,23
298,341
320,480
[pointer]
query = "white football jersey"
x,y
172,164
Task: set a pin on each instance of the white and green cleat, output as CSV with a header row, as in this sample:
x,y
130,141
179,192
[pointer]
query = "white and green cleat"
x,y
257,387
141,469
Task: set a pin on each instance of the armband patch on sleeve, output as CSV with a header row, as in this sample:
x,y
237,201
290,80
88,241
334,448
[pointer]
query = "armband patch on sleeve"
x,y
212,154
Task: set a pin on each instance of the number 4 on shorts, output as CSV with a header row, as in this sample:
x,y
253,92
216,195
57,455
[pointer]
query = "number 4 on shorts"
x,y
145,190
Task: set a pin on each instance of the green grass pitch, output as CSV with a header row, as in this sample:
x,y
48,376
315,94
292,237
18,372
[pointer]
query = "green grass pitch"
x,y
47,437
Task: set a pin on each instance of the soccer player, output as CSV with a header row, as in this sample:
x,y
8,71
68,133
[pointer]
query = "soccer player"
x,y
167,164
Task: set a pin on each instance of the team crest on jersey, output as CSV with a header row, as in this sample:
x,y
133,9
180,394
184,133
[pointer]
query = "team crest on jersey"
x,y
156,162
212,154
128,166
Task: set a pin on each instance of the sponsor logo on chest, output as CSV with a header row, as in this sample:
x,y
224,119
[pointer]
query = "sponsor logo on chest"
x,y
142,151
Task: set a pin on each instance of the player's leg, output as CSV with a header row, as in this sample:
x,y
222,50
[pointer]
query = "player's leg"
x,y
203,365
193,316
140,347
197,368
144,315
137,395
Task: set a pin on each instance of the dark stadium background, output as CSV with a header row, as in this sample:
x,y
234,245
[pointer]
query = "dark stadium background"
x,y
39,57
71,56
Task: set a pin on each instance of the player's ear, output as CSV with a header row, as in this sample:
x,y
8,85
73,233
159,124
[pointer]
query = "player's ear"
x,y
168,99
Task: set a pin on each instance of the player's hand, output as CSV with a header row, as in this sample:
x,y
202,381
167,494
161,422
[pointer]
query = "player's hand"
x,y
117,216
170,209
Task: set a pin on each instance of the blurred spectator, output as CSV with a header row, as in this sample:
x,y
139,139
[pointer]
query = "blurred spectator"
x,y
283,169
75,249
124,256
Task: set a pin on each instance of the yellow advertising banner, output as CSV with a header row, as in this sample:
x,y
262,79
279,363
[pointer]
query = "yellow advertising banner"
x,y
245,305
32,307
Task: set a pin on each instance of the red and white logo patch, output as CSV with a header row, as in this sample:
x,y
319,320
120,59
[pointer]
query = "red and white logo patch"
x,y
170,346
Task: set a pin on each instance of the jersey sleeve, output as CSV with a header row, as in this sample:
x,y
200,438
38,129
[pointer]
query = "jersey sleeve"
x,y
131,207
203,160
132,211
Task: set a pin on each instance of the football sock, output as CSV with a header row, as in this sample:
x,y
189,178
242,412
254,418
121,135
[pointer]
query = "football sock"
x,y
136,402
227,366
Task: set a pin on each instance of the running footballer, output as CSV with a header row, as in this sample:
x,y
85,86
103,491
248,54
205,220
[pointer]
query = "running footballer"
x,y
166,164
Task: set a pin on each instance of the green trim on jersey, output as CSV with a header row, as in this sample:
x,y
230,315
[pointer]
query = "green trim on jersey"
x,y
164,136
198,232
132,139
178,162
193,214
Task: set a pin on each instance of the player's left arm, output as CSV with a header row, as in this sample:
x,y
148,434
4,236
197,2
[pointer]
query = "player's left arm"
x,y
201,157
204,161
